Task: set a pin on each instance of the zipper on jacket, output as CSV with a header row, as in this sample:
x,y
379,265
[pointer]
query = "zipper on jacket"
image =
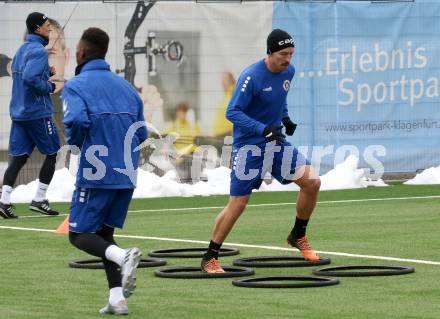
x,y
44,100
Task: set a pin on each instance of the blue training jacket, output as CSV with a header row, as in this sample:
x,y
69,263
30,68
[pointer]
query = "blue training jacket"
x,y
259,100
99,108
30,74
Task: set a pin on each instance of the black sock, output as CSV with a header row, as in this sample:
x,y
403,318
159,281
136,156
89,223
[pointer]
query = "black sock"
x,y
213,250
299,230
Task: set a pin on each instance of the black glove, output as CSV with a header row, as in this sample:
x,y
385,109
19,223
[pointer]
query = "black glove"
x,y
289,125
273,133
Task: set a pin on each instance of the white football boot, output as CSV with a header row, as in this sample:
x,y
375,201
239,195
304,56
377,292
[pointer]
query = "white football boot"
x,y
120,308
128,270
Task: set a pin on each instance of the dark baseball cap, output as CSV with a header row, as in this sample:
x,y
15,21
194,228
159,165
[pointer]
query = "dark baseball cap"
x,y
35,20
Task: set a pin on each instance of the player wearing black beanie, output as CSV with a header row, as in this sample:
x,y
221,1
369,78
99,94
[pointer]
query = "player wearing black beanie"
x,y
280,49
257,109
277,40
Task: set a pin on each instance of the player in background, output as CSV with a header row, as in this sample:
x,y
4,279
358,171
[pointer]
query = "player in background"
x,y
257,109
101,110
31,111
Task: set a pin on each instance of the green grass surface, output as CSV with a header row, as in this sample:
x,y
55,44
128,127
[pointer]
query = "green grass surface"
x,y
35,281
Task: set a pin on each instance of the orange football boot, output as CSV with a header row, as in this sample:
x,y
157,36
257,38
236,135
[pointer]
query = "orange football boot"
x,y
211,266
304,247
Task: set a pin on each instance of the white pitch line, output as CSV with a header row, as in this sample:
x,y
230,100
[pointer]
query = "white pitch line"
x,y
284,204
29,229
416,261
259,205
42,216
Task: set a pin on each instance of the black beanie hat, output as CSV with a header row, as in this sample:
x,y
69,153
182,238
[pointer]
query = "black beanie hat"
x,y
35,20
277,40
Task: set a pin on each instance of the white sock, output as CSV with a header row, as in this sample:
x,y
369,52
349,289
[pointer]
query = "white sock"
x,y
115,254
115,296
6,194
41,192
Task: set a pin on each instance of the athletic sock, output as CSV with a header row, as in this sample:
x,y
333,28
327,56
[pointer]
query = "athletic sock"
x,y
115,295
213,250
115,254
6,194
299,229
41,192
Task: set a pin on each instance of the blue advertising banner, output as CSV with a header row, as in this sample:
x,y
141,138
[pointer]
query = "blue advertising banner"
x,y
367,81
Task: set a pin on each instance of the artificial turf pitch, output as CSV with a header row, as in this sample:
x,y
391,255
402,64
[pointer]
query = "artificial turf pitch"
x,y
35,281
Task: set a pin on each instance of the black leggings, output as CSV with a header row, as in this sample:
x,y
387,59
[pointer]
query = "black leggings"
x,y
14,167
48,169
96,245
17,162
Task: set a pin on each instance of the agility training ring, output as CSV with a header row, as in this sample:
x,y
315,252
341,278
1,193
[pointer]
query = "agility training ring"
x,y
279,261
96,263
291,282
196,273
378,270
191,252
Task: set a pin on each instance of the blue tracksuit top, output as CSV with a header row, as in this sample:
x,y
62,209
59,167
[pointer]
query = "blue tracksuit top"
x,y
99,108
30,74
259,99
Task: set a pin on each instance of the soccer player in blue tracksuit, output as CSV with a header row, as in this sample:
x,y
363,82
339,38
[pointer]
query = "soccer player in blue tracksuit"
x,y
257,109
103,116
31,113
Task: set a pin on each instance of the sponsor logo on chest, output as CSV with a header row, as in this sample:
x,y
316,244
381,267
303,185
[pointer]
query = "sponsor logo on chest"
x,y
286,85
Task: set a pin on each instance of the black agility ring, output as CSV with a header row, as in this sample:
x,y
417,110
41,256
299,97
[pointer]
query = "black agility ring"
x,y
96,263
378,270
196,273
191,252
279,261
268,282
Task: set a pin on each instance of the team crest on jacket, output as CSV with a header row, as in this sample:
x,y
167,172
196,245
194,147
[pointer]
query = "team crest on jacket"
x,y
286,85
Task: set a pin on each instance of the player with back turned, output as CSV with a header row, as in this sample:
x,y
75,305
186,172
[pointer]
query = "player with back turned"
x,y
101,110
